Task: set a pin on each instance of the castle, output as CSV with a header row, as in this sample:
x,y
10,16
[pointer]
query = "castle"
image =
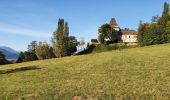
x,y
125,35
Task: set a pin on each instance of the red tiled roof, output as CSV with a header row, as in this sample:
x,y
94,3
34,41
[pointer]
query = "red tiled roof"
x,y
128,32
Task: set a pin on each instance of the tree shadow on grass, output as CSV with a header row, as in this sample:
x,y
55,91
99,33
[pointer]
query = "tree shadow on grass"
x,y
21,69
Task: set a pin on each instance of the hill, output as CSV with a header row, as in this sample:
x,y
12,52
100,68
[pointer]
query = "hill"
x,y
9,53
136,73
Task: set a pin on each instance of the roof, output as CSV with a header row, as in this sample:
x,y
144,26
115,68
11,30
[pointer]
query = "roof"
x,y
128,32
113,22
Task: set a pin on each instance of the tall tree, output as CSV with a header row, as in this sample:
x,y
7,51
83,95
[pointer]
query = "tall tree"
x,y
165,16
66,49
59,43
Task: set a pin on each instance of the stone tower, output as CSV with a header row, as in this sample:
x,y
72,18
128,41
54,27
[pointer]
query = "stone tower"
x,y
114,24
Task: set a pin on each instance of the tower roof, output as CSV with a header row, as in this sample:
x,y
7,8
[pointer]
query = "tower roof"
x,y
113,22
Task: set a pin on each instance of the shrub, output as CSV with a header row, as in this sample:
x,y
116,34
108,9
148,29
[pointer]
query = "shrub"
x,y
94,40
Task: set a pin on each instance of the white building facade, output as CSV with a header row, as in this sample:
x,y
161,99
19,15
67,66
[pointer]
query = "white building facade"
x,y
129,36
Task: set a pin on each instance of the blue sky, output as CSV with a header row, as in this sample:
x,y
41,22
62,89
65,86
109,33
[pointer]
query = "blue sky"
x,y
22,21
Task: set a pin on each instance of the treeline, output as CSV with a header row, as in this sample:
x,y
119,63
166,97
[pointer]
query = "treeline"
x,y
156,32
62,45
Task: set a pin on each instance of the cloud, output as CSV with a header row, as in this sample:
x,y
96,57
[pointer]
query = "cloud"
x,y
13,29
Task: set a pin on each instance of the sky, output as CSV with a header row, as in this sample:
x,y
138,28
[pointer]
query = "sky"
x,y
22,21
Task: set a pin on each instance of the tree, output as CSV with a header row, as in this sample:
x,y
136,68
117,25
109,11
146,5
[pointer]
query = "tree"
x,y
141,36
73,44
44,51
66,50
21,57
3,59
106,32
155,19
168,31
32,46
28,55
165,16
59,37
154,36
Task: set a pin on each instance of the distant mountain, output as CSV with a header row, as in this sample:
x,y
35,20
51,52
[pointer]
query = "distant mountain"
x,y
10,53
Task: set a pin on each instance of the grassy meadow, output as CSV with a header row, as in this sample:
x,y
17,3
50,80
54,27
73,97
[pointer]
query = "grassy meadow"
x,y
134,73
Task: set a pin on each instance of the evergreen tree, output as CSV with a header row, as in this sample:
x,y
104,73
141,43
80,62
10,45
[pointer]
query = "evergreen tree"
x,y
20,58
58,39
66,49
165,16
3,59
29,56
168,31
61,39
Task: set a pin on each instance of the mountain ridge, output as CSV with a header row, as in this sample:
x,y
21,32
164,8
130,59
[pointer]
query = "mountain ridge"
x,y
10,53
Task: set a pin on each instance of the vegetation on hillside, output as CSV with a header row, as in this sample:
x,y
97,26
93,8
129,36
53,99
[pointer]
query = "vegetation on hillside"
x,y
156,32
62,45
138,73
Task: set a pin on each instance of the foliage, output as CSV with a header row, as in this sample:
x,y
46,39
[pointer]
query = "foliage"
x,y
106,32
44,51
27,56
104,48
167,29
137,73
158,31
66,40
3,59
32,46
58,39
154,36
155,19
73,44
165,16
141,30
21,57
61,39
94,40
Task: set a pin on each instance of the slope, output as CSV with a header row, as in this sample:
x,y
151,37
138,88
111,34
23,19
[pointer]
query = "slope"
x,y
137,73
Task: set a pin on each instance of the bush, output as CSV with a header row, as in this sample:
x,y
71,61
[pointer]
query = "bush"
x,y
94,40
103,48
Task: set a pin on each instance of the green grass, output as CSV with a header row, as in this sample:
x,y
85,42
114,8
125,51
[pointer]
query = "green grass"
x,y
134,73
